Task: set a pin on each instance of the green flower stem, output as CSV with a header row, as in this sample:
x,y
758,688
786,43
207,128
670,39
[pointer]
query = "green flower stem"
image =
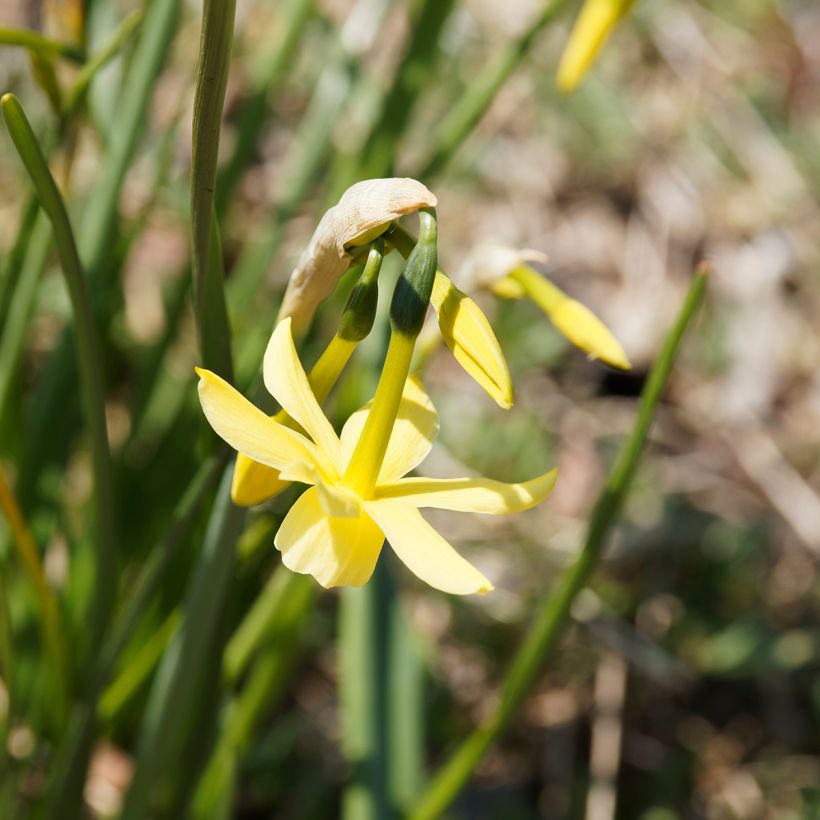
x,y
553,611
88,357
208,275
473,104
41,46
364,646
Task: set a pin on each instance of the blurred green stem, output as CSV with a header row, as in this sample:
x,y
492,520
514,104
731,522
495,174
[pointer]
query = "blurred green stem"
x,y
209,98
168,715
51,419
88,357
364,644
553,611
21,304
39,45
253,115
89,70
69,768
376,158
54,643
282,607
479,94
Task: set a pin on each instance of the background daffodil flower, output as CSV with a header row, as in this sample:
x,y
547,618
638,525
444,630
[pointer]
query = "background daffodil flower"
x,y
333,532
506,272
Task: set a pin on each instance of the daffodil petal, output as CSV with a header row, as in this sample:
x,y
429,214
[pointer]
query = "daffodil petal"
x,y
468,334
414,431
247,429
335,551
591,30
476,495
574,321
288,384
424,551
507,288
254,483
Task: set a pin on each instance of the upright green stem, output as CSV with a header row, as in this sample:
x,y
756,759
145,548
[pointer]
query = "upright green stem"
x,y
209,292
473,104
364,638
88,356
553,611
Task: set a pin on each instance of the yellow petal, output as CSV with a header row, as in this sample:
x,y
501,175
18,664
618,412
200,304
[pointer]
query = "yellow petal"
x,y
591,29
574,321
288,384
424,551
247,429
477,495
254,483
508,288
468,334
414,431
335,551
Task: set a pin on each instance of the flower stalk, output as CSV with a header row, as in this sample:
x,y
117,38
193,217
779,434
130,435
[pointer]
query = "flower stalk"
x,y
408,309
553,610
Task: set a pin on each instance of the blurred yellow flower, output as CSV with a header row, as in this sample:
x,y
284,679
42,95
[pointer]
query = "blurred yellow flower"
x,y
590,32
335,530
506,273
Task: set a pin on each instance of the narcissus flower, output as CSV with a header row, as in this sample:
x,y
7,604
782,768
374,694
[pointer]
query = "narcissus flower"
x,y
336,529
506,272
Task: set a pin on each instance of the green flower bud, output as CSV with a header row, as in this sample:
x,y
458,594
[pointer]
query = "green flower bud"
x,y
415,285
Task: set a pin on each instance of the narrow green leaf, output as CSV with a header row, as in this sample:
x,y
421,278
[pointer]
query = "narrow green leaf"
x,y
479,94
377,157
21,304
37,44
71,763
88,357
553,611
168,713
269,663
90,69
50,423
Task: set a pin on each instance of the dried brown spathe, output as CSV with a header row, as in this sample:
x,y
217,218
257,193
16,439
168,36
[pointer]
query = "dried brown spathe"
x,y
362,213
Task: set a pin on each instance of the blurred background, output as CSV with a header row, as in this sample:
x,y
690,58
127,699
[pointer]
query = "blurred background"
x,y
688,683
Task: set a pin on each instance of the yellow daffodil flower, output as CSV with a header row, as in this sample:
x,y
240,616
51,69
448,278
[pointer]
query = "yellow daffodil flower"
x,y
590,32
335,530
506,273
